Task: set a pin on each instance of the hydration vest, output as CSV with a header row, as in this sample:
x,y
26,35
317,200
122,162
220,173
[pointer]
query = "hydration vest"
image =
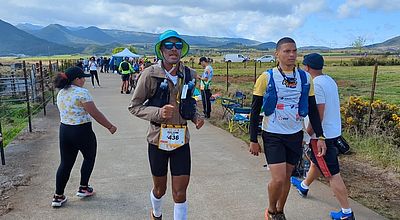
x,y
270,98
187,106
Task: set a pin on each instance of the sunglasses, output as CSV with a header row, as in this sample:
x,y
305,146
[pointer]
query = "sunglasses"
x,y
170,45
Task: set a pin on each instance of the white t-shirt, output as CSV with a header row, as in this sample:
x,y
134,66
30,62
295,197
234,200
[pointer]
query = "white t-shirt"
x,y
92,66
326,92
69,103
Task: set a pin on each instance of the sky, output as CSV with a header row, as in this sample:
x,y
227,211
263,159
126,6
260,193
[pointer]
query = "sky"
x,y
335,23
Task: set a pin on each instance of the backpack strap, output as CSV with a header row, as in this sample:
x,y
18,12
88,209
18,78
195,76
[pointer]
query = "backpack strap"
x,y
303,77
188,76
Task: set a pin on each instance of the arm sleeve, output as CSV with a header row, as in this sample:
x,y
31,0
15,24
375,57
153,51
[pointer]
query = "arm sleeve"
x,y
314,116
255,117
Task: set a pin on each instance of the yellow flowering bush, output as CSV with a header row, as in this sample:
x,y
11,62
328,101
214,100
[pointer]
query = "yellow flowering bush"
x,y
385,118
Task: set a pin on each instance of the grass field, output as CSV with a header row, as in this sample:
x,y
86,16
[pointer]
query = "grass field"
x,y
351,80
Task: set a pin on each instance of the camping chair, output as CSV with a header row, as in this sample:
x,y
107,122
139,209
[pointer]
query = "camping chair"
x,y
240,97
228,105
240,120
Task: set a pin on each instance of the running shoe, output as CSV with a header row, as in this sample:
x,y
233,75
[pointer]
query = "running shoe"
x,y
58,201
152,217
341,216
297,183
85,191
280,216
273,216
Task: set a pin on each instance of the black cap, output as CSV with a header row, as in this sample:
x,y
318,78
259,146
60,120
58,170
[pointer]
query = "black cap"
x,y
203,59
314,60
75,72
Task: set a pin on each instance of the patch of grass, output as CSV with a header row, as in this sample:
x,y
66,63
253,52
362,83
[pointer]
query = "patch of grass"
x,y
375,149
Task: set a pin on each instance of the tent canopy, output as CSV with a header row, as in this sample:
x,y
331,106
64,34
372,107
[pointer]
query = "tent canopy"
x,y
126,53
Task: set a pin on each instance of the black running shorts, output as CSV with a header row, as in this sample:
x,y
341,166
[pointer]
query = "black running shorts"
x,y
328,164
179,161
125,77
281,148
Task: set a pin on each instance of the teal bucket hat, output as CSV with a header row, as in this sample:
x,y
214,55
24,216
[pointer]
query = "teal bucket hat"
x,y
168,34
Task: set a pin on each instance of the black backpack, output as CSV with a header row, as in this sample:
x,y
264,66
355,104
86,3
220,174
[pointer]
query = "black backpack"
x,y
125,66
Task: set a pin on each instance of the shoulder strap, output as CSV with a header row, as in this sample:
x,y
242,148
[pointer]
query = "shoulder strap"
x,y
188,76
271,81
303,77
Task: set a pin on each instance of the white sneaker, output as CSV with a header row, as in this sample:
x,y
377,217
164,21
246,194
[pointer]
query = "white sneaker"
x,y
58,201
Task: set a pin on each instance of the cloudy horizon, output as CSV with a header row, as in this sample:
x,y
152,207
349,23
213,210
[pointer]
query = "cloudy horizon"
x,y
314,22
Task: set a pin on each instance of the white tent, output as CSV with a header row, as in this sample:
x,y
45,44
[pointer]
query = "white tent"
x,y
126,53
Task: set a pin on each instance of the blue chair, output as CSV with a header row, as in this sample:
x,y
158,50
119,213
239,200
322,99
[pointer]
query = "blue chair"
x,y
228,105
240,97
240,120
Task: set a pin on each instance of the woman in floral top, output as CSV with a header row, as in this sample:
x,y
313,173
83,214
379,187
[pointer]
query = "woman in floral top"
x,y
76,108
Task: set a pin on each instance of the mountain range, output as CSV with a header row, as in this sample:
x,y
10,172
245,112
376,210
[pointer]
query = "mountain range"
x,y
54,39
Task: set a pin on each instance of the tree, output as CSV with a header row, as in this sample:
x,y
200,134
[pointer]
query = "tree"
x,y
359,43
119,49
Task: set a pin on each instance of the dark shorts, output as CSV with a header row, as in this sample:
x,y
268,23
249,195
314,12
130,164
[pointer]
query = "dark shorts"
x,y
179,161
125,77
328,164
281,148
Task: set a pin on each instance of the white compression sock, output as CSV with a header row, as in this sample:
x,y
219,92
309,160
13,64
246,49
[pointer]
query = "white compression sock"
x,y
180,211
156,203
304,186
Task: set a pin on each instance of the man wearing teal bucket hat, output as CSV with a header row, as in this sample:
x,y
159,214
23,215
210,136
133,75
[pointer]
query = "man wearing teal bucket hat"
x,y
163,96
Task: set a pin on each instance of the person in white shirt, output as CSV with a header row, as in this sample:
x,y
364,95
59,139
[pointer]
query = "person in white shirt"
x,y
93,71
328,104
205,86
76,108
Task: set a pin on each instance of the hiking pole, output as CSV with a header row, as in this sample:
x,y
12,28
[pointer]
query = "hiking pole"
x,y
3,160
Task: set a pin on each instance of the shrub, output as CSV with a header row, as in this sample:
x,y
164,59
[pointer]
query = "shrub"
x,y
370,61
385,118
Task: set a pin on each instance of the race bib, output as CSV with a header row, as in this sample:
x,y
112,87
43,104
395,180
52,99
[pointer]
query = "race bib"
x,y
171,137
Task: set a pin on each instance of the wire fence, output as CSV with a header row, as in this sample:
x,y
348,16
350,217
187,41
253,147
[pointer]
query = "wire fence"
x,y
25,90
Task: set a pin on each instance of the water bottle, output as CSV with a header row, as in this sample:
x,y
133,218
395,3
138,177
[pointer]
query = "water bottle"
x,y
164,85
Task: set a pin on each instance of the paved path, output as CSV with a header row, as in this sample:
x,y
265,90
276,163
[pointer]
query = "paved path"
x,y
226,183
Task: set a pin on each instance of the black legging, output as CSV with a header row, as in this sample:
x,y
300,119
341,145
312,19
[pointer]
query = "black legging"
x,y
75,138
94,74
205,98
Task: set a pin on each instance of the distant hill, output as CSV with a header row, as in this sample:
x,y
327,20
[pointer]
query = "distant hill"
x,y
265,46
94,34
94,40
28,27
16,41
391,44
59,34
315,48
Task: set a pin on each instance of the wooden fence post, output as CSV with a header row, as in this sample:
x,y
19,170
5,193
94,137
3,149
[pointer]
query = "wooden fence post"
x,y
28,106
255,71
52,84
3,160
227,76
42,85
372,93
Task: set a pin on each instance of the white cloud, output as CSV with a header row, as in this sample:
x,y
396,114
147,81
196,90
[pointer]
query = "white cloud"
x,y
263,20
352,7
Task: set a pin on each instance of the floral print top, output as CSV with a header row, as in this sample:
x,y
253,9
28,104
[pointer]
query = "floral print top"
x,y
69,103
